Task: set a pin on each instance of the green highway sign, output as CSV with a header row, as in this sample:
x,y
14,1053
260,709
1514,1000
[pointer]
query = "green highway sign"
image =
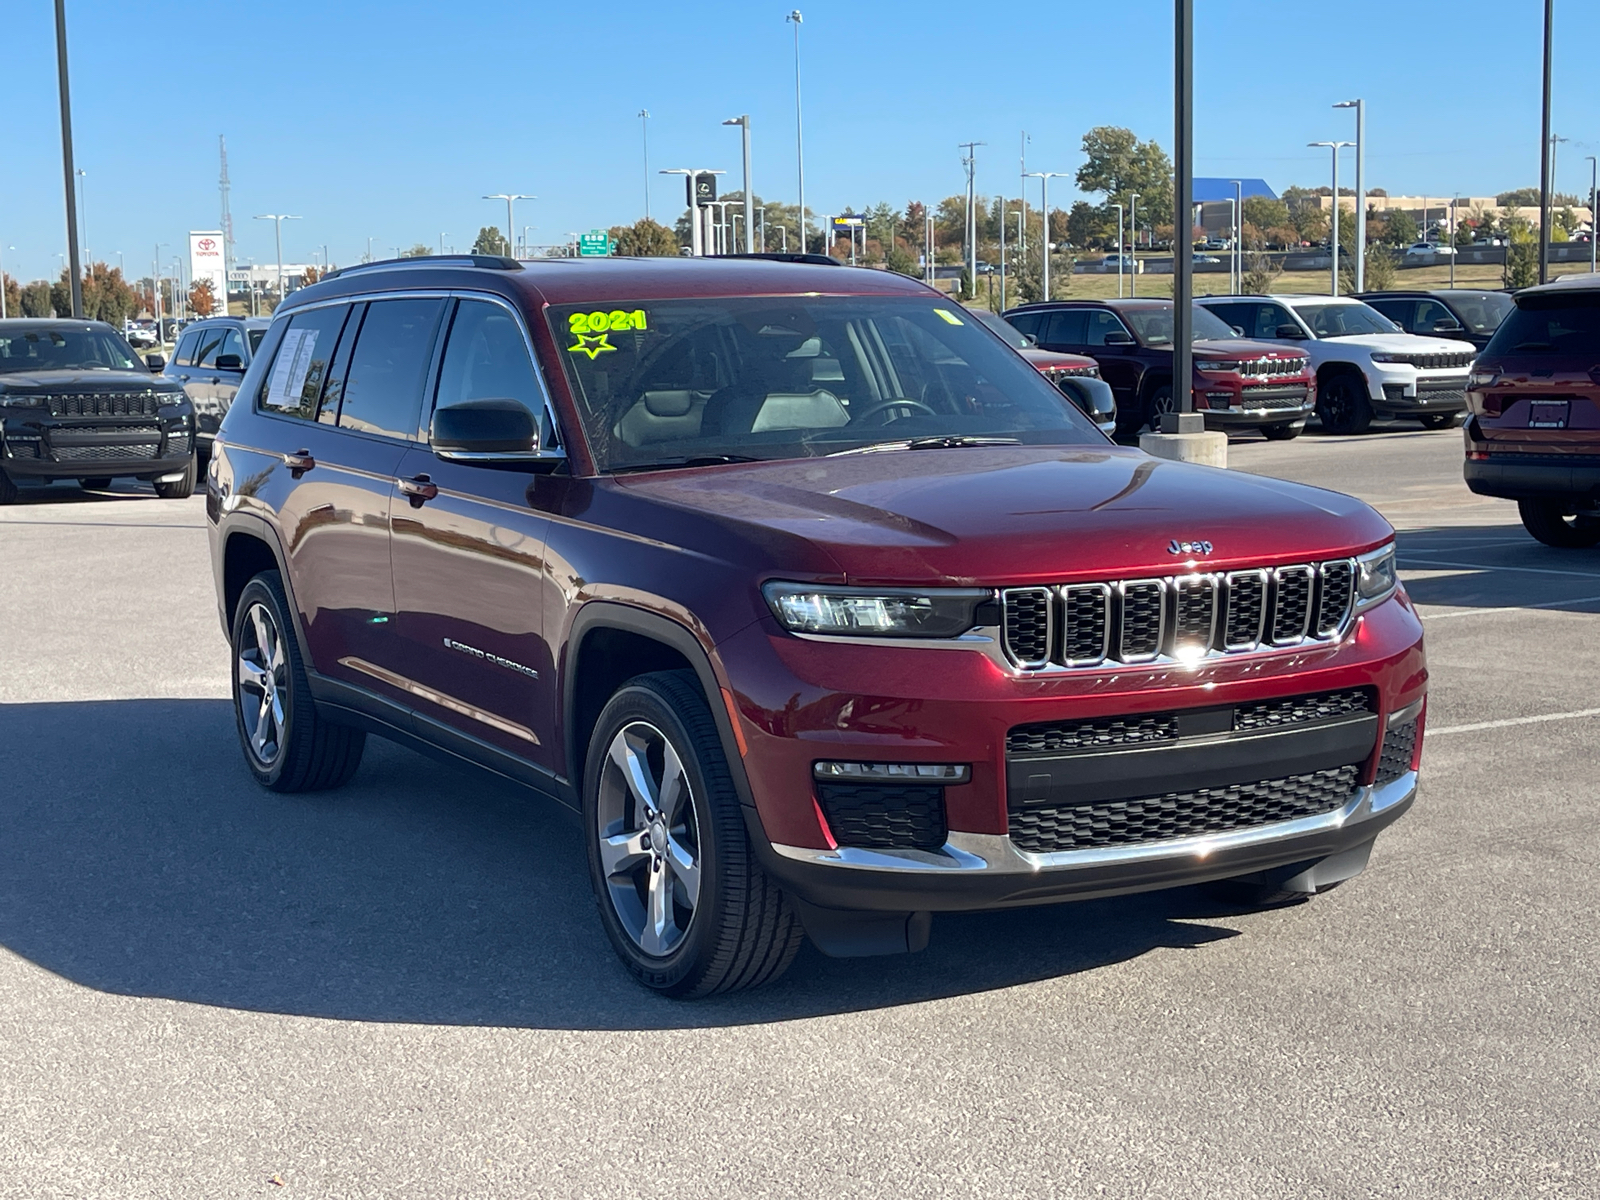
x,y
595,242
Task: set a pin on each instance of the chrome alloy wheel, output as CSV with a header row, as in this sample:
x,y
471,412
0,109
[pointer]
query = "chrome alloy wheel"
x,y
649,838
263,671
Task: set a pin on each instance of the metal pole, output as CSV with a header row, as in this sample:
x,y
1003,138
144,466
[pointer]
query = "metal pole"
x,y
1593,184
1236,259
1118,207
1454,200
1182,208
1544,144
1002,254
1361,198
1133,233
1044,240
1022,237
749,201
1334,234
83,216
644,133
799,133
74,272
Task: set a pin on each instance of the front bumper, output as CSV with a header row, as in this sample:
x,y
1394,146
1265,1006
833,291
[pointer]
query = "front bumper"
x,y
44,448
1400,389
1226,404
974,871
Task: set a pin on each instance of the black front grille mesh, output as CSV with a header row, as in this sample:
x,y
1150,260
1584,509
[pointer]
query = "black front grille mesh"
x,y
1181,814
1399,745
884,816
108,404
1247,608
1292,616
1302,710
1142,605
1027,614
1086,621
1333,601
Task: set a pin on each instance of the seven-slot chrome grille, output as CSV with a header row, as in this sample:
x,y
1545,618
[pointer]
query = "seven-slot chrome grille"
x,y
1179,618
109,404
1271,367
1440,361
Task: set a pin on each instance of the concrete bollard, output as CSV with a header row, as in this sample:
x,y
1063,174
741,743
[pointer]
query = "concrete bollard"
x,y
1183,438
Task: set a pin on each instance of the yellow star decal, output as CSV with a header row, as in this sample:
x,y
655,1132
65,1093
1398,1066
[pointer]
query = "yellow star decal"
x,y
593,345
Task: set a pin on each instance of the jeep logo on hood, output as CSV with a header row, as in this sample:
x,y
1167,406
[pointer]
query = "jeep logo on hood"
x,y
1177,547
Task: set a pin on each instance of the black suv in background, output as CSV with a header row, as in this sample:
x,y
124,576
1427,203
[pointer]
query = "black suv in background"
x,y
210,361
76,403
1471,316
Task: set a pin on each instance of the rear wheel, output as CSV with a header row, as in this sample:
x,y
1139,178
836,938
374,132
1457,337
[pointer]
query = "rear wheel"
x,y
1440,420
287,743
180,488
97,483
683,900
1157,403
1344,406
1555,524
1283,433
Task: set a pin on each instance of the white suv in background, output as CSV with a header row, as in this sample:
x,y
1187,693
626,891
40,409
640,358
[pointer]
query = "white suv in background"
x,y
1366,365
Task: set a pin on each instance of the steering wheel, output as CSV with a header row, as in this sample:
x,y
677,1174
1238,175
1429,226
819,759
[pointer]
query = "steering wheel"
x,y
883,406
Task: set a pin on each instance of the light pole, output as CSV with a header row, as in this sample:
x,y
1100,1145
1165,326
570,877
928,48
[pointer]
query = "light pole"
x,y
1044,178
74,274
799,138
1333,220
1119,209
743,122
526,253
277,220
1545,145
3,284
83,215
1454,201
1022,159
155,285
1592,195
1361,193
442,236
970,161
1236,285
1133,236
644,136
511,199
1183,218
1002,251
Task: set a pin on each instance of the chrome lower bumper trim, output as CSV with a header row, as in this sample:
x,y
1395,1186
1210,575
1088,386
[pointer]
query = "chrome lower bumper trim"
x,y
997,854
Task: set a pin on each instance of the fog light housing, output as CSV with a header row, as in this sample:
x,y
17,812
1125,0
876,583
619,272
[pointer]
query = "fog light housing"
x,y
872,772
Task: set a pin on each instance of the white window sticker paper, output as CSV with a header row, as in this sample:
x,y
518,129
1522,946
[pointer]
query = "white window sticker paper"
x,y
290,370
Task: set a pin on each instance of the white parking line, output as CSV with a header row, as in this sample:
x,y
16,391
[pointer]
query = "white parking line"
x,y
1510,721
1508,608
1428,565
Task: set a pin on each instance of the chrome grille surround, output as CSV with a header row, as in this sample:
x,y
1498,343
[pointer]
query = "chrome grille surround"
x,y
108,404
1180,619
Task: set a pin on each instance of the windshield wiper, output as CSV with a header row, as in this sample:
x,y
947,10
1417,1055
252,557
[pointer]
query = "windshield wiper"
x,y
942,442
672,464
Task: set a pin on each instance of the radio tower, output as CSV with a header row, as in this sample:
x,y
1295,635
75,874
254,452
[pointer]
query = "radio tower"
x,y
227,215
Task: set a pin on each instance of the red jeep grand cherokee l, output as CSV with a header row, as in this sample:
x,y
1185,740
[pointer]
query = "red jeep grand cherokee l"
x,y
806,591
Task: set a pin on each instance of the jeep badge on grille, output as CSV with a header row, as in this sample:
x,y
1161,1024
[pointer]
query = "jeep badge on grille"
x,y
1177,547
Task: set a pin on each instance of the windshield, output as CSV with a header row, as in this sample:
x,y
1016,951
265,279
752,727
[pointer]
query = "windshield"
x,y
1481,312
1344,320
1009,333
1153,326
670,382
1550,325
67,348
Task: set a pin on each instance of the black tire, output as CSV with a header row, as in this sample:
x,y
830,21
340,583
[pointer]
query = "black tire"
x,y
8,490
306,752
1283,433
181,488
1343,404
1440,420
740,931
1555,524
97,483
1157,402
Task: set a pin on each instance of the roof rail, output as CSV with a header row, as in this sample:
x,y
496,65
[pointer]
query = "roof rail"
x,y
816,260
489,262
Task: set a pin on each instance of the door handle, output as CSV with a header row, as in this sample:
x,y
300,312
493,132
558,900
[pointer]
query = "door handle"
x,y
299,462
185,378
215,379
419,490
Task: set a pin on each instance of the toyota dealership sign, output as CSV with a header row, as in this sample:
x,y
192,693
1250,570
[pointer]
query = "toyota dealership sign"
x,y
206,261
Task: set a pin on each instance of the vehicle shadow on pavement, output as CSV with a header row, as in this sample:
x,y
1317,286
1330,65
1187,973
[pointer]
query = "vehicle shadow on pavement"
x,y
1496,566
138,857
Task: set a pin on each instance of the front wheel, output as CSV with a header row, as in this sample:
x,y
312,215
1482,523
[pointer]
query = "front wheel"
x,y
1554,524
687,907
1344,406
1283,433
1440,420
180,488
1158,403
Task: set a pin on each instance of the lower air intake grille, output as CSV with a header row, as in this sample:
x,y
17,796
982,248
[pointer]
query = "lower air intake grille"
x,y
178,443
1092,734
106,453
1399,746
1301,710
884,817
1181,814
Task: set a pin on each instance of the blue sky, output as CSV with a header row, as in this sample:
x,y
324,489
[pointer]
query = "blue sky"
x,y
391,120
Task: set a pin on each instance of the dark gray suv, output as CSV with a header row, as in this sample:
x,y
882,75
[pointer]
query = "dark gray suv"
x,y
210,361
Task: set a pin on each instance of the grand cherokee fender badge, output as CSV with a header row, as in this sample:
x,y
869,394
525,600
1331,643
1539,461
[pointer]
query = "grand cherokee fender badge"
x,y
1177,547
508,664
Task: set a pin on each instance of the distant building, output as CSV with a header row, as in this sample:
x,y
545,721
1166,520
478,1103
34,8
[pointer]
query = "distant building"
x,y
1215,198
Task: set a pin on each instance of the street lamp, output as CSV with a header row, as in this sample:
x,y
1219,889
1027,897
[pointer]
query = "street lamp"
x,y
749,202
1333,226
1361,194
1236,259
1133,235
644,134
1044,178
155,285
277,220
1592,195
1119,209
83,214
75,279
799,139
511,199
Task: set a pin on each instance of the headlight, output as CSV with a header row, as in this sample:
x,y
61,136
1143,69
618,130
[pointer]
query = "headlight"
x,y
1390,358
13,400
875,612
1375,576
1482,379
1205,365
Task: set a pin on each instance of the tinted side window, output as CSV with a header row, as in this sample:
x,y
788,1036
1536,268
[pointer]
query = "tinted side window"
x,y
1429,314
383,389
1100,324
294,384
232,343
1398,311
1028,323
205,354
184,355
1268,318
486,358
1239,315
1065,327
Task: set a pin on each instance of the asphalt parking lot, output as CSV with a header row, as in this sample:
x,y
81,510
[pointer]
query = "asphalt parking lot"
x,y
403,989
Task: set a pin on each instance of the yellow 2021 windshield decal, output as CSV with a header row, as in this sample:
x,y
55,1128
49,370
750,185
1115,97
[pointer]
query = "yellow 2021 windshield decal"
x,y
592,329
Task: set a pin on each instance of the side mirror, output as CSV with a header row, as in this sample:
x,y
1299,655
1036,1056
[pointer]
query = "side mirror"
x,y
1293,332
1118,337
1030,339
1238,330
1447,325
156,363
485,431
1092,396
229,362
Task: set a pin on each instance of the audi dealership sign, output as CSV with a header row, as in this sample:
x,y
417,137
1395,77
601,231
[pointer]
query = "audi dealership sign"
x,y
206,262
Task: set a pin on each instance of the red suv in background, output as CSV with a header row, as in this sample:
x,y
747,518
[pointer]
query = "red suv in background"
x,y
1238,384
806,592
1533,435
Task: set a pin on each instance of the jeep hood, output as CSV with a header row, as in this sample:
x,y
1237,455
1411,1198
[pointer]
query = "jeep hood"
x,y
1011,514
1403,343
